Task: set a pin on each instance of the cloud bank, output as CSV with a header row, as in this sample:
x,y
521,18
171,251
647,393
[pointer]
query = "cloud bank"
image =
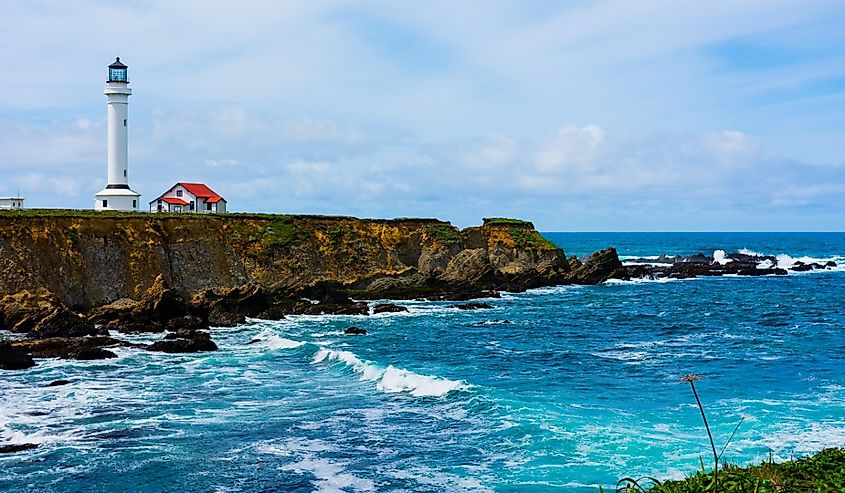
x,y
604,115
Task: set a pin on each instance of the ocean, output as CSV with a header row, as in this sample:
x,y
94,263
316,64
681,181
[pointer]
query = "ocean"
x,y
555,389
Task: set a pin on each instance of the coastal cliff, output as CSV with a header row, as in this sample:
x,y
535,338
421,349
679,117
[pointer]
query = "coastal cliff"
x,y
88,260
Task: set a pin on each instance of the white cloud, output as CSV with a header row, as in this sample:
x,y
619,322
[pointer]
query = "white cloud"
x,y
571,148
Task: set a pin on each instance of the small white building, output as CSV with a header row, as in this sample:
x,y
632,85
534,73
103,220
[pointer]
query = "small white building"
x,y
7,203
189,197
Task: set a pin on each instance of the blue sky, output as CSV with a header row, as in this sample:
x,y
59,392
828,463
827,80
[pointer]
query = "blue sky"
x,y
584,115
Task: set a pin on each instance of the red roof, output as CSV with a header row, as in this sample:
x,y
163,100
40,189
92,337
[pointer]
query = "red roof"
x,y
174,201
201,191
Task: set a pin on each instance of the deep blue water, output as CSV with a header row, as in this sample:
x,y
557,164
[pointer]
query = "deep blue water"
x,y
557,389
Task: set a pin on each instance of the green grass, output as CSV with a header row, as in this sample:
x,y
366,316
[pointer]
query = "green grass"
x,y
445,234
822,472
280,233
506,221
530,238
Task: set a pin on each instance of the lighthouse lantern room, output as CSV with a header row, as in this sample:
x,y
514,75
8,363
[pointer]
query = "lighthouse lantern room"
x,y
117,196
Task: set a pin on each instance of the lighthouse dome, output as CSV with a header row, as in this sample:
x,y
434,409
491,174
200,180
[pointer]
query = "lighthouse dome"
x,y
117,72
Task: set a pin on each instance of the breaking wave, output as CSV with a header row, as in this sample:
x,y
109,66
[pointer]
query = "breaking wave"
x,y
390,379
274,342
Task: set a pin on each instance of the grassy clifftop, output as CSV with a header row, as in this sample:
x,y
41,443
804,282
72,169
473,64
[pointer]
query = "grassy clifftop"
x,y
89,258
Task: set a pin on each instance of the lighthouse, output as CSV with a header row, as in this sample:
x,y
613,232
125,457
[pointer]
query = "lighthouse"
x,y
117,196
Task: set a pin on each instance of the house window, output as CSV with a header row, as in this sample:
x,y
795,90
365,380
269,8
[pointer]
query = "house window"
x,y
177,208
134,204
208,206
192,205
124,122
178,193
124,173
105,203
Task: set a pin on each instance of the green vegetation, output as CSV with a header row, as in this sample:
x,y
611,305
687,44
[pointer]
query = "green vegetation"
x,y
445,234
530,238
73,236
822,472
280,233
506,221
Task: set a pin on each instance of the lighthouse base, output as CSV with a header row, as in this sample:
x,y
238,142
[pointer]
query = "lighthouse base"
x,y
116,199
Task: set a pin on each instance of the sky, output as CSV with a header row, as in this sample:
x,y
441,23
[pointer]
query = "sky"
x,y
611,115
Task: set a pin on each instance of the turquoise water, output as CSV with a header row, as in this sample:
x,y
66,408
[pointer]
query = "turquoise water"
x,y
557,389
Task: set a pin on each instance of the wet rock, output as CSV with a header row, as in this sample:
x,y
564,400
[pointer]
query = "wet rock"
x,y
83,348
472,306
134,326
93,353
120,309
40,314
58,383
231,307
17,447
185,323
350,308
192,342
355,331
12,358
599,267
161,303
389,308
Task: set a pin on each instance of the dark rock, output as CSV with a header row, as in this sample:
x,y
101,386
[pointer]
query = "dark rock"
x,y
350,308
599,267
57,383
830,264
93,353
185,323
698,258
120,309
161,303
41,314
12,358
17,447
218,316
134,326
83,348
389,308
355,331
231,307
192,342
327,292
472,306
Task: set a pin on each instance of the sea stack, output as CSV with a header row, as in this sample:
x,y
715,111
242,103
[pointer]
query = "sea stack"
x,y
117,196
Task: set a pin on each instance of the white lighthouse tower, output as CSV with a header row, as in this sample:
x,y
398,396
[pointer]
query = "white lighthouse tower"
x,y
117,196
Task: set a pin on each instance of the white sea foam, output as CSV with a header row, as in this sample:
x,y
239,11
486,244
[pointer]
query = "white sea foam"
x,y
391,379
275,342
642,280
720,257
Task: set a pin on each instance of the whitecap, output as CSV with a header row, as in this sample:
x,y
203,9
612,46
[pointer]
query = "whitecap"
x,y
720,257
391,379
275,342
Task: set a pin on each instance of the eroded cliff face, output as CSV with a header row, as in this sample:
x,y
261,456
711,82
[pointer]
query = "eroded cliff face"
x,y
89,259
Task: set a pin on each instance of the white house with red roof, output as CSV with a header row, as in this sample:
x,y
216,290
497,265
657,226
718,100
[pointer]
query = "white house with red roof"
x,y
189,197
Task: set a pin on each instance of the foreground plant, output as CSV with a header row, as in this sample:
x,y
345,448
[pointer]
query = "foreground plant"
x,y
823,472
